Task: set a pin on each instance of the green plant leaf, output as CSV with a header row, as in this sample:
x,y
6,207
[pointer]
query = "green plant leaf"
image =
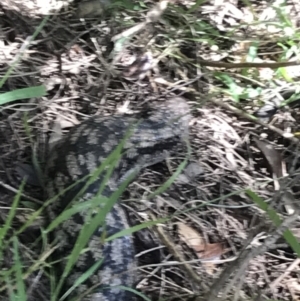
x,y
37,91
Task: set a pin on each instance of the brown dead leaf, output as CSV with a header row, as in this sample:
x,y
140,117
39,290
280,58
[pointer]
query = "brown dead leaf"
x,y
212,251
190,236
205,251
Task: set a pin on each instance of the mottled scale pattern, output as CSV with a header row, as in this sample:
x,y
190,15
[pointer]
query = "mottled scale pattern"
x,y
78,154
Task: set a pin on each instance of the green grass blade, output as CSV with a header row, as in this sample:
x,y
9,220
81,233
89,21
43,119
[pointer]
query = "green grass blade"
x,y
11,214
20,285
30,92
66,214
178,171
274,217
82,279
9,285
136,228
89,228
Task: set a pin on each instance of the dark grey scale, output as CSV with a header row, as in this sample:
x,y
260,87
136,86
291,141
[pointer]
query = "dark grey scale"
x,y
78,154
